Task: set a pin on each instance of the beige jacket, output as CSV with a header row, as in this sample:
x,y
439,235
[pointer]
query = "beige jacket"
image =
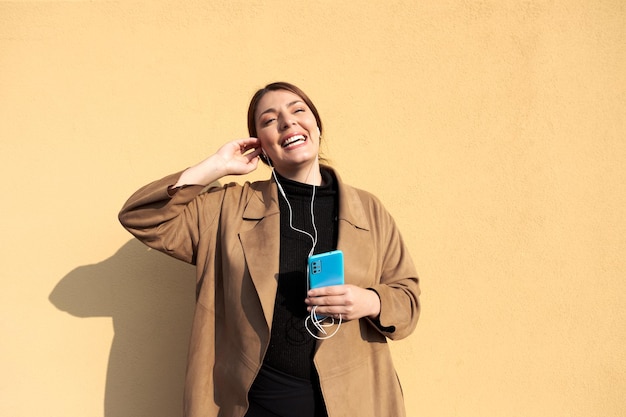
x,y
231,234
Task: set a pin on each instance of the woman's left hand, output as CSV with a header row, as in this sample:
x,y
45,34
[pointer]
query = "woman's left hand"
x,y
350,301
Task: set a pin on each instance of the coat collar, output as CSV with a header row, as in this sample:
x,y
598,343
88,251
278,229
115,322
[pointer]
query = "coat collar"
x,y
264,202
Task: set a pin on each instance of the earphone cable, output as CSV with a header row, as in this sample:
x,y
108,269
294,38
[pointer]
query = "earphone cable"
x,y
318,322
313,238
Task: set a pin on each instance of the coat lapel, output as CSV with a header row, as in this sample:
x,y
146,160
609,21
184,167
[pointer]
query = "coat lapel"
x,y
354,238
261,243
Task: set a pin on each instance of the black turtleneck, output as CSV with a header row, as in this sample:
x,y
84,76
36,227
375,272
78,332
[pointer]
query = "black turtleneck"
x,y
287,382
291,346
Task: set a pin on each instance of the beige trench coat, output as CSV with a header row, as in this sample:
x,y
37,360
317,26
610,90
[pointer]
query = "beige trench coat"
x,y
231,234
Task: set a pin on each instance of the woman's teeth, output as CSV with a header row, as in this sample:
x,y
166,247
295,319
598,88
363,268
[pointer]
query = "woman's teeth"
x,y
293,140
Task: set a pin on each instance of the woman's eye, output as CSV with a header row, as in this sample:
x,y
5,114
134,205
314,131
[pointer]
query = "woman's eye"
x,y
268,121
298,110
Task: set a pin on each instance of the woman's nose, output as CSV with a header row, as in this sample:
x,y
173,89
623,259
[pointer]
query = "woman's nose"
x,y
286,122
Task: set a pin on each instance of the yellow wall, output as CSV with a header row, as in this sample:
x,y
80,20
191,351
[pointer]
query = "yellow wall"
x,y
494,131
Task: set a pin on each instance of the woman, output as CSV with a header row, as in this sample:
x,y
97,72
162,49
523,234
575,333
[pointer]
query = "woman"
x,y
251,352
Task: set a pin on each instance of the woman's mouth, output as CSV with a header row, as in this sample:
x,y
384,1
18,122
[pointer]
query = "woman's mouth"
x,y
293,140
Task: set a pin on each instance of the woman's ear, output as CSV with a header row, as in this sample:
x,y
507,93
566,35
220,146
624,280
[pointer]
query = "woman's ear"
x,y
265,158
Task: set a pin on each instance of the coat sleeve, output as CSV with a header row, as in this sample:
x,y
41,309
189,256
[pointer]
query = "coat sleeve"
x,y
398,285
170,222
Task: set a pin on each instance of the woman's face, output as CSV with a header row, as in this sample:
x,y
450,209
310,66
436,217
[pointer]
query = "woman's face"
x,y
288,131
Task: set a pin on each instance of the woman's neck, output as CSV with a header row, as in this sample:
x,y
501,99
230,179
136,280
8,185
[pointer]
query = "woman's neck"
x,y
310,175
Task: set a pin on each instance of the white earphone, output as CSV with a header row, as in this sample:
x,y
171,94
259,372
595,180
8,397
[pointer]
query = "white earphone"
x,y
318,322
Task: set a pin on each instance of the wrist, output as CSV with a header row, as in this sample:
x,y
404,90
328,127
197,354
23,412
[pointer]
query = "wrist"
x,y
374,304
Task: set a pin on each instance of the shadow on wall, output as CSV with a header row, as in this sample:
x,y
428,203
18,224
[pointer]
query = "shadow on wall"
x,y
151,299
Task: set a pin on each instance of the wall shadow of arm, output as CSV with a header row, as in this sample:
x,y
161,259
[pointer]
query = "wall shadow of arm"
x,y
150,298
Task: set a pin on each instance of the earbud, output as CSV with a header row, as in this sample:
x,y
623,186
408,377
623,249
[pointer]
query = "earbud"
x,y
267,158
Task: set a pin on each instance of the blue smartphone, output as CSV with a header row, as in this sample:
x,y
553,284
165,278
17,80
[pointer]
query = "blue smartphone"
x,y
326,269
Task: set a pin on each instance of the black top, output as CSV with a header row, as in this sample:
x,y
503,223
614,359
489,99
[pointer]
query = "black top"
x,y
291,346
288,373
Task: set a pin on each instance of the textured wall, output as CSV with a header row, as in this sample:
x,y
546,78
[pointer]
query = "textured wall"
x,y
494,131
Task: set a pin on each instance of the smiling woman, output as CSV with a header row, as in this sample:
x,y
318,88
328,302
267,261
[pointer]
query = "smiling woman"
x,y
289,135
251,353
262,115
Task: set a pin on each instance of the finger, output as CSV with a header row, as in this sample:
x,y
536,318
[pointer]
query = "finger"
x,y
333,311
246,144
329,290
253,155
250,143
319,300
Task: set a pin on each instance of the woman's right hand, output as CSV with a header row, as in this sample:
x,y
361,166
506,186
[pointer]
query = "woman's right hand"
x,y
238,157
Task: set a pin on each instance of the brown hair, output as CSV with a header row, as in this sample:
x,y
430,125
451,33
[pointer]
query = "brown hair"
x,y
254,102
